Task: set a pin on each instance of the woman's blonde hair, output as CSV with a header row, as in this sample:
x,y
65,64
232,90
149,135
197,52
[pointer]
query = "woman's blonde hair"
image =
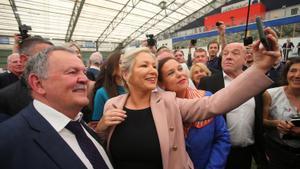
x,y
128,59
202,67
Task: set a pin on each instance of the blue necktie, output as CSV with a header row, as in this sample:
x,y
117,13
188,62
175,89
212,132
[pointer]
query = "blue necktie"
x,y
87,146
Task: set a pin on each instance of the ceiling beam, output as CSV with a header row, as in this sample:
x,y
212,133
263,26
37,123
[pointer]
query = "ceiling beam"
x,y
78,4
166,9
121,15
152,22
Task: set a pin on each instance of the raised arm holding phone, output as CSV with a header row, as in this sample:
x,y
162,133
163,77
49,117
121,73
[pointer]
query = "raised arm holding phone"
x,y
146,121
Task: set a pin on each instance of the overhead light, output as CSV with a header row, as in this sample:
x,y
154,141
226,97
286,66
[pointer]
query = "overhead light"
x,y
163,5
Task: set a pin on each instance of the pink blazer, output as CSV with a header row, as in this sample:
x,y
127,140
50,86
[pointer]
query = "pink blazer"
x,y
169,113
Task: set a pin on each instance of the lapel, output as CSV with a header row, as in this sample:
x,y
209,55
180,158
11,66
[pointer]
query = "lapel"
x,y
91,132
50,141
159,113
119,104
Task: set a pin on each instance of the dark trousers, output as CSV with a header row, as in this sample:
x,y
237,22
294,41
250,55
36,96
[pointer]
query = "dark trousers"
x,y
286,54
239,158
282,157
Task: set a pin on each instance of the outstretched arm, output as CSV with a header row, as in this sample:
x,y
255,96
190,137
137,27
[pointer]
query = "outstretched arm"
x,y
245,86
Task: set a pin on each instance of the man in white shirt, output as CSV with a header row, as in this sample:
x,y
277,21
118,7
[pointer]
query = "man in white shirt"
x,y
95,62
245,122
42,135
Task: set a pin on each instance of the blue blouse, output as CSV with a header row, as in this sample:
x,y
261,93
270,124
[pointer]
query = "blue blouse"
x,y
208,146
100,99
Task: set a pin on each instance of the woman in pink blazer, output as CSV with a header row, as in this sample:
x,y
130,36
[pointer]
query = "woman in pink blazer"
x,y
144,128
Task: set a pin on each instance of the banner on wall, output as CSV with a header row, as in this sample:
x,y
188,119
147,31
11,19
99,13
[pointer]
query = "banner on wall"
x,y
4,40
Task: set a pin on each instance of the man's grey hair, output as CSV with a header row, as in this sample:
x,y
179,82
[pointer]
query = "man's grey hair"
x,y
96,58
38,64
11,56
27,46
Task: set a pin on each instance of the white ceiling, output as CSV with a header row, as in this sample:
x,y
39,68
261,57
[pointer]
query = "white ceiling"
x,y
108,21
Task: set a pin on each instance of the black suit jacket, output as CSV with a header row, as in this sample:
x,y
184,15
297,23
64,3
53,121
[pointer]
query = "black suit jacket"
x,y
215,83
7,79
13,99
31,142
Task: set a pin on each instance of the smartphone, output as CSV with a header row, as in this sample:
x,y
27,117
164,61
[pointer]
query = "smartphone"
x,y
262,37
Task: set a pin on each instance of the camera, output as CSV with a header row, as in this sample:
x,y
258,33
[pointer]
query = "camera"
x,y
150,40
248,40
219,23
193,42
24,31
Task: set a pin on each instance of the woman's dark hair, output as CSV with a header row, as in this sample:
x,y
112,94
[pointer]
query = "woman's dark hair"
x,y
107,75
161,63
286,69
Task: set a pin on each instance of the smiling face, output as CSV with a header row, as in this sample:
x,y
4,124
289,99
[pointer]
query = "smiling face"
x,y
143,73
293,76
65,87
197,74
173,77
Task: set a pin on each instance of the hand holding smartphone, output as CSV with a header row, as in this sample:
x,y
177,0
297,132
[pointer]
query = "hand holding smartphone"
x,y
262,36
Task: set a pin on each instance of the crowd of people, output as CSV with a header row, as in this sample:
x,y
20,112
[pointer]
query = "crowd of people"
x,y
149,108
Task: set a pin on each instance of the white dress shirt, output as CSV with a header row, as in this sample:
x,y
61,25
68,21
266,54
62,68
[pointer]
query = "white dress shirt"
x,y
59,121
240,121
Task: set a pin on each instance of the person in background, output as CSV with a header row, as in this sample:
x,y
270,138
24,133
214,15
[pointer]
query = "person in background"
x,y
163,52
108,84
152,47
146,120
179,56
49,132
281,105
213,48
298,51
207,142
200,56
76,48
15,97
245,122
95,62
14,70
198,71
249,56
287,48
275,73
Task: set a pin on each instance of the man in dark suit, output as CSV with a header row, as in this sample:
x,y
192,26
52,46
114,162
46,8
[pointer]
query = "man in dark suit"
x,y
95,62
49,133
200,56
15,69
15,97
245,122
